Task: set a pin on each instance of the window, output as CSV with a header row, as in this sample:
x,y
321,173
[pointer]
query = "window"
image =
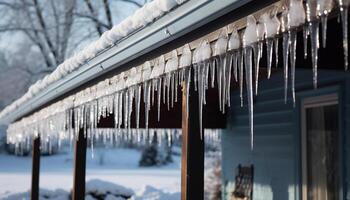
x,y
320,154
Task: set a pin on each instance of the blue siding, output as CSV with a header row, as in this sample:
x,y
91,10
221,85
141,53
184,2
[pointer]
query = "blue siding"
x,y
276,154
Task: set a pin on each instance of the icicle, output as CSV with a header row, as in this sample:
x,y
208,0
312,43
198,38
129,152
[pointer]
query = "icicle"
x,y
344,19
176,84
249,81
147,86
249,39
159,94
172,89
164,89
276,50
167,84
126,109
232,58
324,30
219,79
120,118
240,66
212,74
152,95
324,7
285,64
314,36
296,17
258,50
201,68
285,47
138,101
171,66
188,84
305,37
131,100
257,53
146,100
269,50
220,49
292,43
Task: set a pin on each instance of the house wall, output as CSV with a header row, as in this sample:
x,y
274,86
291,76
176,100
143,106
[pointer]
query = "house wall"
x,y
276,152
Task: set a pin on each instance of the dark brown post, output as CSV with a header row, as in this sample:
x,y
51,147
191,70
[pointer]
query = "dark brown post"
x,y
79,167
192,161
35,169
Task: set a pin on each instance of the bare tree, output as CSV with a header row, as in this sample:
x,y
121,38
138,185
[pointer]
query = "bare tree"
x,y
47,24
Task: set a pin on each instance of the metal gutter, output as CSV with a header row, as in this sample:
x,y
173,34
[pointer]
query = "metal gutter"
x,y
174,24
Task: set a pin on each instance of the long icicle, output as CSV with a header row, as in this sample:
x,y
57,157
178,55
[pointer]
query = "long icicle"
x,y
305,37
285,64
228,75
292,43
275,41
324,30
257,53
188,84
249,81
344,19
223,81
138,101
159,95
240,65
235,64
147,100
314,36
200,68
219,80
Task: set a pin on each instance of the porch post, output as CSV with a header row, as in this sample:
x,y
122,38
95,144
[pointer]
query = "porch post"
x,y
192,160
79,167
35,169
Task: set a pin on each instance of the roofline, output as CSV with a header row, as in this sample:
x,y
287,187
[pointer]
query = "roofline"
x,y
171,26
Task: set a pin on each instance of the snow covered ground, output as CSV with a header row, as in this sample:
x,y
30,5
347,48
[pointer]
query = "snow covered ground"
x,y
119,166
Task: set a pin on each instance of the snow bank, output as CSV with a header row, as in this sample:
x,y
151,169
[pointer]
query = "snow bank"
x,y
151,193
99,188
43,194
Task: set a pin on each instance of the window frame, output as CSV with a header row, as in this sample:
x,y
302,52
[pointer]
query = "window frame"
x,y
312,102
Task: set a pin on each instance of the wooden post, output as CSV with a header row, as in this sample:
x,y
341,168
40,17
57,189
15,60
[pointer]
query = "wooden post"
x,y
192,161
79,167
35,169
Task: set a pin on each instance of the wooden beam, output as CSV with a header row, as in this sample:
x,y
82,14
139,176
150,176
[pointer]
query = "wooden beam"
x,y
79,166
192,161
35,169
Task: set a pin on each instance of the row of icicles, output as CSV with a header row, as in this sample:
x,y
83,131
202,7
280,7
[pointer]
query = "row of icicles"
x,y
111,137
221,61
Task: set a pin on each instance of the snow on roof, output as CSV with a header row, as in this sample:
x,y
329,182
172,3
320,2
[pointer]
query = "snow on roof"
x,y
142,17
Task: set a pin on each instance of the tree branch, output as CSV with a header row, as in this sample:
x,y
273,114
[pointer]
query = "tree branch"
x,y
45,33
94,15
108,13
132,2
68,22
